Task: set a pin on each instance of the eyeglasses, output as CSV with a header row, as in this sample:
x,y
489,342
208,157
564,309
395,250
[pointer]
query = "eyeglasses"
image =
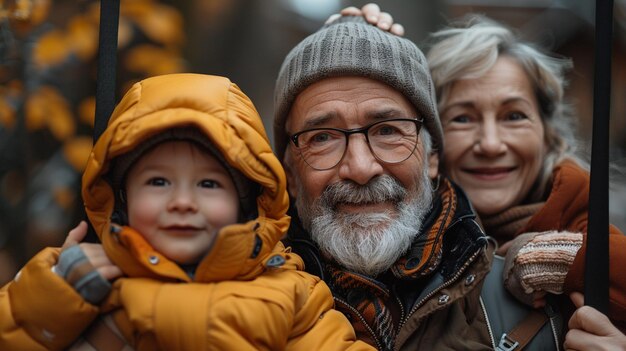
x,y
390,141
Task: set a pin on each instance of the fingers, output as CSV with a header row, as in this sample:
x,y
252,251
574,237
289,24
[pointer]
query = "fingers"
x,y
578,299
397,29
348,11
100,261
76,235
351,11
592,321
384,21
371,12
578,340
110,272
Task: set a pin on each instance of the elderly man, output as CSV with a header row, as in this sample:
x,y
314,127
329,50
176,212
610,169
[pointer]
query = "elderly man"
x,y
357,128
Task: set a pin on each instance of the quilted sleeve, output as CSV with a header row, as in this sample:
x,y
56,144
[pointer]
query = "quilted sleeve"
x,y
39,310
318,326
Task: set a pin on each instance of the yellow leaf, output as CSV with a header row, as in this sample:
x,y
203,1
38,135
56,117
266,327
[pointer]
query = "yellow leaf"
x,y
151,60
47,106
51,49
87,110
83,36
161,23
35,111
77,150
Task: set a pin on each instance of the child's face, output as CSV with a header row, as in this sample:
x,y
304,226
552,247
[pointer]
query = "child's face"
x,y
178,198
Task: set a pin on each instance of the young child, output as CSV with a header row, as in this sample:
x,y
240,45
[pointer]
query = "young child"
x,y
190,204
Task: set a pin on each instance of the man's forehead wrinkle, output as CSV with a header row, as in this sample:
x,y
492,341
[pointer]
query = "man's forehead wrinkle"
x,y
326,117
320,119
386,113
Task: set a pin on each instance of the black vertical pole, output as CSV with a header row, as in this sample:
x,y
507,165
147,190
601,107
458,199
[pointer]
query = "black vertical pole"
x,y
107,62
597,257
105,81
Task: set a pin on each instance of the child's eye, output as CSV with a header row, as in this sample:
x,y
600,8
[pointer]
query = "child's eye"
x,y
157,181
208,183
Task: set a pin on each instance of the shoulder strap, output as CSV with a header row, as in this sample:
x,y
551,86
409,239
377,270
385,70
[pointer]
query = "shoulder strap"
x,y
523,332
514,325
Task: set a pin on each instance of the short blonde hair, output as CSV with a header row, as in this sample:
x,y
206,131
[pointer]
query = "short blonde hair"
x,y
470,47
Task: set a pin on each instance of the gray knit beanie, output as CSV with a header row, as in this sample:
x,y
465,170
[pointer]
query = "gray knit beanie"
x,y
350,46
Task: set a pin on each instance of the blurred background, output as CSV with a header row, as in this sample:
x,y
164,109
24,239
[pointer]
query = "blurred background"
x,y
47,81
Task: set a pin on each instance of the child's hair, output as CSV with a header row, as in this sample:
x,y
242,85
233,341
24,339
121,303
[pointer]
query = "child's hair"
x,y
121,165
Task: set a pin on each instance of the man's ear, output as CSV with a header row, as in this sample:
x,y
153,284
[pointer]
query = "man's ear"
x,y
291,180
433,165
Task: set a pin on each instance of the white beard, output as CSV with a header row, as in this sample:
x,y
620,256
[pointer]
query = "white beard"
x,y
366,243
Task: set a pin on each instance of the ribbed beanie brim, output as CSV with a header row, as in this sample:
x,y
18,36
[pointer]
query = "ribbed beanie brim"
x,y
351,47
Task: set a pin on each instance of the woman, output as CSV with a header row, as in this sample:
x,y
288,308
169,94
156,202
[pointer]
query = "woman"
x,y
509,145
509,140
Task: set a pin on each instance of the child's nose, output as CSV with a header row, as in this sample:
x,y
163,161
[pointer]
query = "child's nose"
x,y
183,200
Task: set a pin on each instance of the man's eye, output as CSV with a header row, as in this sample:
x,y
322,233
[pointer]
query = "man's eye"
x,y
157,181
319,137
208,183
322,137
387,130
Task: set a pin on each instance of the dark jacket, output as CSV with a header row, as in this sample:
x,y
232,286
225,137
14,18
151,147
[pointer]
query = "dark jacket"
x,y
438,311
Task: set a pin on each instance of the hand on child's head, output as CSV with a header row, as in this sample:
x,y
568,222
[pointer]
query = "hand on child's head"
x,y
373,15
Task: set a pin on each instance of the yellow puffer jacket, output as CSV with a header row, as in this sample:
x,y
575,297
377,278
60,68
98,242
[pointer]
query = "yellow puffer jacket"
x,y
237,300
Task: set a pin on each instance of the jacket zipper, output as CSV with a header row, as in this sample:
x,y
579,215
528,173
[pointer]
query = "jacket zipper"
x,y
444,285
554,333
482,307
372,334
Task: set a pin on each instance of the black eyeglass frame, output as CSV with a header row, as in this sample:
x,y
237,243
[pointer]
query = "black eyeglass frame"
x,y
362,130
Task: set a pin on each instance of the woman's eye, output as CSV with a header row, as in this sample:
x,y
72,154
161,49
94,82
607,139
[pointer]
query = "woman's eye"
x,y
461,119
516,116
157,181
208,183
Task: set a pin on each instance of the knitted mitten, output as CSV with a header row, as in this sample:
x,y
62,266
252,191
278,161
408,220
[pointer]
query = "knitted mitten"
x,y
75,268
540,262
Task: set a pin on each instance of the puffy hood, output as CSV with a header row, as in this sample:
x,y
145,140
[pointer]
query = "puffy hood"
x,y
220,110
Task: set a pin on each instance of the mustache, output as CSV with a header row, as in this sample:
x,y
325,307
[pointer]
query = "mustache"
x,y
380,189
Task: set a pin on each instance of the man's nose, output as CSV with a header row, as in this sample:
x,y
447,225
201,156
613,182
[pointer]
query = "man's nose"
x,y
358,163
